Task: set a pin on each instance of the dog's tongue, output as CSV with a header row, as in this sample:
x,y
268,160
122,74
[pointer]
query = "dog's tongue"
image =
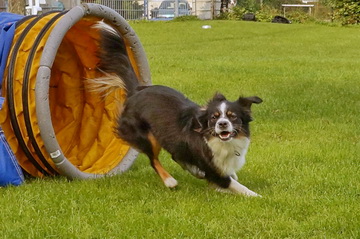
x,y
224,135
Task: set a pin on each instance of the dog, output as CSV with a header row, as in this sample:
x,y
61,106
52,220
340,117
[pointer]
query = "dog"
x,y
209,141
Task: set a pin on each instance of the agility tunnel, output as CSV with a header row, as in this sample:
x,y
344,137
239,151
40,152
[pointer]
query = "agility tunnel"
x,y
51,122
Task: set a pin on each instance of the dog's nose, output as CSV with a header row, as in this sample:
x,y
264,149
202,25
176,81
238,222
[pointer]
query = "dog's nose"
x,y
223,124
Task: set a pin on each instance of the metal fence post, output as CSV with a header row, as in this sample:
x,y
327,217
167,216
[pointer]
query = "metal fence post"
x,y
176,7
146,9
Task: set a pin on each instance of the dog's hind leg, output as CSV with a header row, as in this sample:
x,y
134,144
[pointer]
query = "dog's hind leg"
x,y
168,180
137,134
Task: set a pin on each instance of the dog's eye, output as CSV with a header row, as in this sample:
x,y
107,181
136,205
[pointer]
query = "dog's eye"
x,y
215,116
232,115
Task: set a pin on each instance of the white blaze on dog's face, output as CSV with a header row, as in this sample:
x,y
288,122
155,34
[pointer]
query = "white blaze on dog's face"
x,y
223,126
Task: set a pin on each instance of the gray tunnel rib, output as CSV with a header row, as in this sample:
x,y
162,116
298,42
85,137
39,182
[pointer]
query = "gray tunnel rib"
x,y
43,113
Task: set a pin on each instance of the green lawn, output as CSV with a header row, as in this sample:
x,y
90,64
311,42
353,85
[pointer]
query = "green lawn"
x,y
303,159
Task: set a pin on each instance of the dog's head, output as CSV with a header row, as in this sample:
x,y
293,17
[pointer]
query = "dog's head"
x,y
225,119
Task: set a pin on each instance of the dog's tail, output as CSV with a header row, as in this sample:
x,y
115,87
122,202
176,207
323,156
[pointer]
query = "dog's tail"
x,y
114,64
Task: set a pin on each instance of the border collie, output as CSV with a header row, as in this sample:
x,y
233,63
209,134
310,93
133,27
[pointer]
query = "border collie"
x,y
208,141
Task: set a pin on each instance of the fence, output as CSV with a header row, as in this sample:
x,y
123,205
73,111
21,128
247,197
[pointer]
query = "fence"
x,y
51,5
3,6
162,9
143,9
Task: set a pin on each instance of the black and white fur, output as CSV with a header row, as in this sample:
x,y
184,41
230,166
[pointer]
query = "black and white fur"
x,y
210,141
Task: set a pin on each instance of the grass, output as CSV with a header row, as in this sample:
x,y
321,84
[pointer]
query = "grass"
x,y
303,159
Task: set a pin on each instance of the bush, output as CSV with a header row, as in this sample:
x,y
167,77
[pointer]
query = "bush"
x,y
266,14
348,12
235,13
299,17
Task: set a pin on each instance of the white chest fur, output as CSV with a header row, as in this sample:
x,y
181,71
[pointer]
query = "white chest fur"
x,y
229,157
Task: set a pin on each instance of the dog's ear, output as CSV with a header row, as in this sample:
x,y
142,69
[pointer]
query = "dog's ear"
x,y
189,120
201,119
196,125
246,102
218,97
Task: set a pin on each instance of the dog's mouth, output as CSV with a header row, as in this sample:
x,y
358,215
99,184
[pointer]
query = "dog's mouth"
x,y
226,135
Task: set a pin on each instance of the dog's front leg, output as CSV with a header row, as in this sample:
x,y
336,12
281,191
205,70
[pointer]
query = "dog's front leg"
x,y
238,188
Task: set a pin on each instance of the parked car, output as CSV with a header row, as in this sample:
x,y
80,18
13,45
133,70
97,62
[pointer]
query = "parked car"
x,y
166,9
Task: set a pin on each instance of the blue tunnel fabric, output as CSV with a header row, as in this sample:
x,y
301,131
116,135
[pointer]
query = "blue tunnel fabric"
x,y
10,171
7,29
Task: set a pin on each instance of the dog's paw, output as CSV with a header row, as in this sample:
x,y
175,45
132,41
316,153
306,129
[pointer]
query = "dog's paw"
x,y
198,173
222,190
247,194
170,182
252,194
238,188
195,171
